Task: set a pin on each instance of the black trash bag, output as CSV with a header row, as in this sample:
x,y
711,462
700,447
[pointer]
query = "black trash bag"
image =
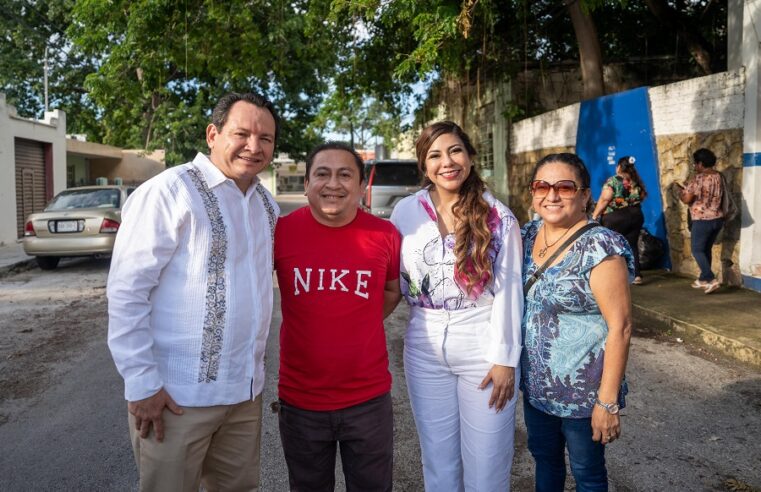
x,y
651,250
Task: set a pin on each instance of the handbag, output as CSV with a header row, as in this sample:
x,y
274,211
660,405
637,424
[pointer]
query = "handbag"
x,y
728,205
539,271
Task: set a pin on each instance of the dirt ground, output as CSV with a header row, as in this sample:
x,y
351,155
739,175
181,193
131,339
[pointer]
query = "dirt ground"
x,y
45,316
692,420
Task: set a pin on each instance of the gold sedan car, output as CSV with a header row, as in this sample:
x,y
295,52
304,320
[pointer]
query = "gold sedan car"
x,y
78,222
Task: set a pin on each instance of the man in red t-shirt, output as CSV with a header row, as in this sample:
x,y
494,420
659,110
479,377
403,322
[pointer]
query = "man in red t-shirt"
x,y
338,272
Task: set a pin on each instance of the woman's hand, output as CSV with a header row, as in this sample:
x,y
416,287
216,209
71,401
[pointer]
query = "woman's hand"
x,y
503,382
606,427
610,285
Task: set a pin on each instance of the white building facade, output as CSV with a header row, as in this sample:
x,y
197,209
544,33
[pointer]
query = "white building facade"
x,y
32,166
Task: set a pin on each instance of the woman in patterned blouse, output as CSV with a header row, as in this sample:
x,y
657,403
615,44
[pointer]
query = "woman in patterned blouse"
x,y
576,330
619,206
703,194
460,271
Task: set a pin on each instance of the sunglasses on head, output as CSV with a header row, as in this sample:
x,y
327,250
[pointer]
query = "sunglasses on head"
x,y
565,188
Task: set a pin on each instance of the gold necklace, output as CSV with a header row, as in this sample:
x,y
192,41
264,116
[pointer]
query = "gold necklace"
x,y
543,251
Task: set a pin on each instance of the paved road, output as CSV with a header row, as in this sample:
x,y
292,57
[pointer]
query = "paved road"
x,y
691,424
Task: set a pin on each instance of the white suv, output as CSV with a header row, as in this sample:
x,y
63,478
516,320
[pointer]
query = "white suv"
x,y
388,181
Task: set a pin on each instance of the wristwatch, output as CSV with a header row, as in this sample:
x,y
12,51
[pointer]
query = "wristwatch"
x,y
611,408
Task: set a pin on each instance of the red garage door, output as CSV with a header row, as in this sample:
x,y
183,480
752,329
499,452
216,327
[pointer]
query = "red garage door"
x,y
30,180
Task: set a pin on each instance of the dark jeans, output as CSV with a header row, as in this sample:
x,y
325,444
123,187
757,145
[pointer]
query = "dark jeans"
x,y
365,433
628,222
704,233
547,438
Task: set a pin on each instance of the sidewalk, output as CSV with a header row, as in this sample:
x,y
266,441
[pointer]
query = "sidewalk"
x,y
728,320
13,258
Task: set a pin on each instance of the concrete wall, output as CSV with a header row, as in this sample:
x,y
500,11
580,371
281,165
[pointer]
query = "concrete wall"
x,y
78,170
750,237
530,140
106,161
480,111
51,130
704,104
703,112
134,167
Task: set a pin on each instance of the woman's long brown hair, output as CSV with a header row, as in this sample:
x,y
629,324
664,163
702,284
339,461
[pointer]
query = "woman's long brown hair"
x,y
472,235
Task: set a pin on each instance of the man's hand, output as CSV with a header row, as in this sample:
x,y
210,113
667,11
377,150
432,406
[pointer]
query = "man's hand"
x,y
503,382
148,412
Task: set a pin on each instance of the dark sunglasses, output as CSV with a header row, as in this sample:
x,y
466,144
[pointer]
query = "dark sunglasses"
x,y
564,188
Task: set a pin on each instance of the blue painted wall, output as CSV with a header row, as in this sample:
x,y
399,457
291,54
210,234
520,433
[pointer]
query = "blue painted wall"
x,y
611,127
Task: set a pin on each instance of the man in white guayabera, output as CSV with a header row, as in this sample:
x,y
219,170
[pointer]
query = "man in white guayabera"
x,y
190,304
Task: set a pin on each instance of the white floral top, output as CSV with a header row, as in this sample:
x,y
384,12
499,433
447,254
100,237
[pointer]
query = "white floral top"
x,y
429,277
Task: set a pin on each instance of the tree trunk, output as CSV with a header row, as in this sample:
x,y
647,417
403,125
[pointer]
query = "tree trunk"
x,y
590,54
697,46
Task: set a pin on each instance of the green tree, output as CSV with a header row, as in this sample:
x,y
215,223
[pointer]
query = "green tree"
x,y
163,64
29,31
461,43
360,118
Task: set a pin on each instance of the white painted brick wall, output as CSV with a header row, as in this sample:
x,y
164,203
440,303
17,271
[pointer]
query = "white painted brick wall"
x,y
704,104
710,103
554,129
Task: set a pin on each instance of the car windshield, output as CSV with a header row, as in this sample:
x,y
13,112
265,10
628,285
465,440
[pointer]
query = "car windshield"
x,y
396,174
85,199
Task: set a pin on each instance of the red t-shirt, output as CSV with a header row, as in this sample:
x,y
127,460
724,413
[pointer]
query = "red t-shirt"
x,y
332,341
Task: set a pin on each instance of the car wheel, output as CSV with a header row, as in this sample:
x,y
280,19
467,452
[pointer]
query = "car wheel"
x,y
48,262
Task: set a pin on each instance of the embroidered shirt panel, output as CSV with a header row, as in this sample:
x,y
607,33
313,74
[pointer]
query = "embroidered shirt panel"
x,y
216,304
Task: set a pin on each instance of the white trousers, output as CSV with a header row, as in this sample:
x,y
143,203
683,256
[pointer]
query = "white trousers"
x,y
466,446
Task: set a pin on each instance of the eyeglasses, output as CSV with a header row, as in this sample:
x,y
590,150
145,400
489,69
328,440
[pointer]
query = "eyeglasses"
x,y
564,188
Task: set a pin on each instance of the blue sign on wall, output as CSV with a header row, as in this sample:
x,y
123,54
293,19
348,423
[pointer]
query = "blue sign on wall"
x,y
611,127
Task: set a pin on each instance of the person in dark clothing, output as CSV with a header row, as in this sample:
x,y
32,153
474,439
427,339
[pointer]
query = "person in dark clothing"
x,y
619,208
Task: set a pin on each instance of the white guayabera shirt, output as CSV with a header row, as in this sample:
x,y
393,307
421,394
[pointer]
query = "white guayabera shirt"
x,y
190,287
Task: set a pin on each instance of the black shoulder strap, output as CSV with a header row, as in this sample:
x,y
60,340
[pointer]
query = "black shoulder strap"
x,y
539,271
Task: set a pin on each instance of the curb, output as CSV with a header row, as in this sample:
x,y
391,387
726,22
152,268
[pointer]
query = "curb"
x,y
18,267
728,346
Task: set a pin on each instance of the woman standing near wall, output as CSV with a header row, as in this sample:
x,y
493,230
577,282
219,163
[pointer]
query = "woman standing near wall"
x,y
703,193
619,207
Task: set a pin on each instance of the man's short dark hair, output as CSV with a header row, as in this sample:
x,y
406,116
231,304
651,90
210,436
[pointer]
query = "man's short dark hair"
x,y
336,146
705,157
222,109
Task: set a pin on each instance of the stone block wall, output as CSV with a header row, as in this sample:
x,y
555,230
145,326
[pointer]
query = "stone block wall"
x,y
702,112
675,158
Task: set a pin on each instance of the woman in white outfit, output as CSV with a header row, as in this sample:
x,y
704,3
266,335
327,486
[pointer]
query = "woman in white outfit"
x,y
461,275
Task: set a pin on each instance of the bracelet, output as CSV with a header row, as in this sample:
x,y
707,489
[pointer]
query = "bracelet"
x,y
611,408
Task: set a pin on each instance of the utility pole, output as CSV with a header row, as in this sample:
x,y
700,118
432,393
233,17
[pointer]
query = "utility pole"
x,y
45,79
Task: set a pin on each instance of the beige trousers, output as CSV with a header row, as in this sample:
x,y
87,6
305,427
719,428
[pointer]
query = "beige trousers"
x,y
214,446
